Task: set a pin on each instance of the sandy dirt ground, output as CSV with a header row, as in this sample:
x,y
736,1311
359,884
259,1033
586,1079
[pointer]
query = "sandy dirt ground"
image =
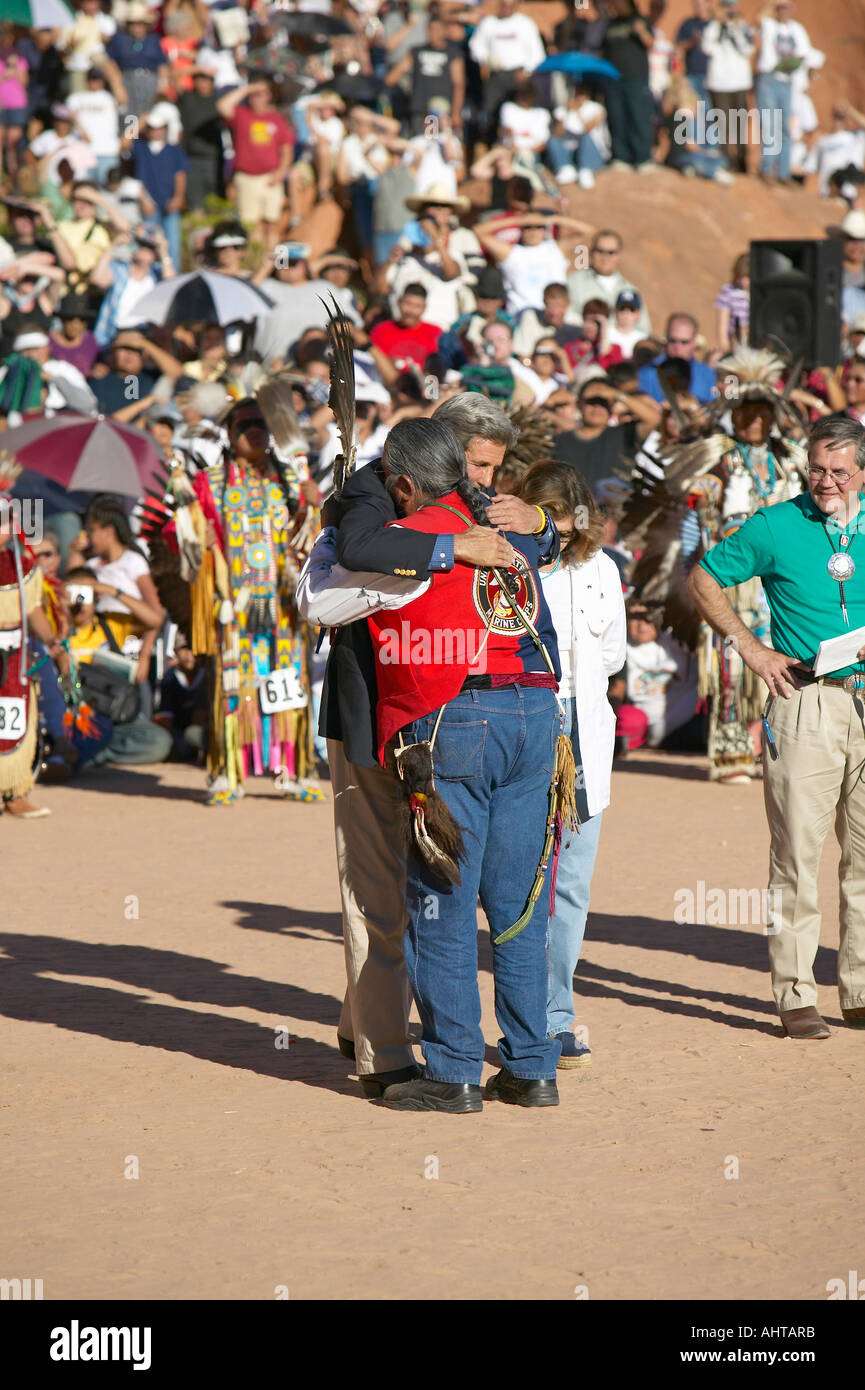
x,y
701,1156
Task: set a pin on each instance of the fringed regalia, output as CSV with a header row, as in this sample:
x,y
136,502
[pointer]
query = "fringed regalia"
x,y
20,594
736,695
261,516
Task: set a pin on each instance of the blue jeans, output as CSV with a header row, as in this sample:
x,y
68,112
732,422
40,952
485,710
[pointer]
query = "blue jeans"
x,y
493,762
573,883
774,98
698,82
579,150
706,161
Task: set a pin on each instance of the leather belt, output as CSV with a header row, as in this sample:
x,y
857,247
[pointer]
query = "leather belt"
x,y
851,684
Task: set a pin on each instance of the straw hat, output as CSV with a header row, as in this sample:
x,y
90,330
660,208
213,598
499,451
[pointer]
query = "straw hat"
x,y
441,195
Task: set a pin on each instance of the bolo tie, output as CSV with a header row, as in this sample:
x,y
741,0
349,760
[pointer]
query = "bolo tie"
x,y
842,568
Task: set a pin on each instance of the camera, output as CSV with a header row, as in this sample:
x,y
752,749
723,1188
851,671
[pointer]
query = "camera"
x,y
79,594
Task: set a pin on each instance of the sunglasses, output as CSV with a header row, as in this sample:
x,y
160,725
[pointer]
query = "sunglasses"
x,y
597,400
253,423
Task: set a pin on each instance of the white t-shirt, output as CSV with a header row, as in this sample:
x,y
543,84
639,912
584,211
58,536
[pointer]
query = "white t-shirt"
x,y
662,682
832,151
507,43
525,128
527,270
780,41
96,114
617,337
122,574
729,51
575,123
332,130
133,292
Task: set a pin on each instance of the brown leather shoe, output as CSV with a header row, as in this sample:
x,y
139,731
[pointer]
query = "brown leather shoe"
x,y
854,1018
804,1023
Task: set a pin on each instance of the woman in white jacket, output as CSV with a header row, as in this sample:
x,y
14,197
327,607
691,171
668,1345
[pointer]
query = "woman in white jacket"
x,y
584,593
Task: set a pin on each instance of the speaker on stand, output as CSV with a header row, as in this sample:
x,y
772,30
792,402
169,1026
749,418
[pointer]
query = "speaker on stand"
x,y
796,299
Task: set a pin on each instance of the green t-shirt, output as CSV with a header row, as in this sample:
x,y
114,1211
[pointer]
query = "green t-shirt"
x,y
788,547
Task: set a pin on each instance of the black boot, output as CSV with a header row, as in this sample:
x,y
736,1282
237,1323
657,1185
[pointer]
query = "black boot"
x,y
516,1090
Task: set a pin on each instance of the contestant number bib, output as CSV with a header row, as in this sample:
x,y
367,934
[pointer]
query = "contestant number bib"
x,y
280,690
13,718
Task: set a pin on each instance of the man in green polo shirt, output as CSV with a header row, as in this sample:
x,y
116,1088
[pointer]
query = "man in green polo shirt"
x,y
814,762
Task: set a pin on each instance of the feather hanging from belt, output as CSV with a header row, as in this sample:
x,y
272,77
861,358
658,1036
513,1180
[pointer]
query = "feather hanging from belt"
x,y
429,826
342,392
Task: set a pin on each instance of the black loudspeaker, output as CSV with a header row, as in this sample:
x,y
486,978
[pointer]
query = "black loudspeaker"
x,y
796,298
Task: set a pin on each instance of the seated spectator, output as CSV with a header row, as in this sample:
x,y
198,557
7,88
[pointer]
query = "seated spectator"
x,y
497,351
300,302
408,337
580,145
556,318
140,741
598,446
550,364
511,196
681,344
67,385
183,703
661,684
466,336
59,141
446,264
337,268
592,344
624,332
85,235
693,158
734,305
123,391
524,126
534,262
602,278
128,281
841,147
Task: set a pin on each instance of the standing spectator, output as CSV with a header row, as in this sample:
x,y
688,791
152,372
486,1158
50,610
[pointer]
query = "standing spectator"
x,y
689,45
507,47
45,67
202,138
436,69
407,338
263,151
362,161
728,44
535,262
661,55
627,41
162,170
581,142
784,47
96,116
681,346
138,58
734,305
13,102
602,278
83,44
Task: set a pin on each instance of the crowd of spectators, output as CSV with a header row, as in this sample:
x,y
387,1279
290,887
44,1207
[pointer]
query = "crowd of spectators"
x,y
410,160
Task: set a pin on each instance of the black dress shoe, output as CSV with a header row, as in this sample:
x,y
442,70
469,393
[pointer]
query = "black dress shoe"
x,y
455,1097
375,1083
517,1090
346,1047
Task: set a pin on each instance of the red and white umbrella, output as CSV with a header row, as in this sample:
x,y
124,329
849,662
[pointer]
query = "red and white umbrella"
x,y
87,453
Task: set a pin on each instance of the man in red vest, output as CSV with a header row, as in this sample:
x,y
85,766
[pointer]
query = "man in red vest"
x,y
457,666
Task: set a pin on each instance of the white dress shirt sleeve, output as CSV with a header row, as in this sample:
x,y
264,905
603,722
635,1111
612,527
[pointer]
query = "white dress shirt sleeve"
x,y
331,596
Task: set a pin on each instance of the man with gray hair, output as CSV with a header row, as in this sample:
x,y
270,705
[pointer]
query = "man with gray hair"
x,y
814,721
373,1028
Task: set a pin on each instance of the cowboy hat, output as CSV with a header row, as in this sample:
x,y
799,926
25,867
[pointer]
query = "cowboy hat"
x,y
440,195
853,225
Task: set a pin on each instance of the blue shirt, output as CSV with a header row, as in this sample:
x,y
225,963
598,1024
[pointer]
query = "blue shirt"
x,y
129,53
156,171
703,380
696,61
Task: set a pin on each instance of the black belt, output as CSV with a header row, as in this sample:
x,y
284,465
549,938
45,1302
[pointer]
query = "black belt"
x,y
485,683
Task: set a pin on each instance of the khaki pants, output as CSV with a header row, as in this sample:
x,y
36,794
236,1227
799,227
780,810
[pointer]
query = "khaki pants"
x,y
819,774
366,807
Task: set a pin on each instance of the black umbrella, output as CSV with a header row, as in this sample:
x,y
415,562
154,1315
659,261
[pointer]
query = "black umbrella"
x,y
312,25
353,87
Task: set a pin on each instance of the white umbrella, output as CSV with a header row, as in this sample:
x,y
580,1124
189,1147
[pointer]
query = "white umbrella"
x,y
203,296
39,14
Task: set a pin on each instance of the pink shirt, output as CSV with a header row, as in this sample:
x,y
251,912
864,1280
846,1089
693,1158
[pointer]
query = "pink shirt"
x,y
13,93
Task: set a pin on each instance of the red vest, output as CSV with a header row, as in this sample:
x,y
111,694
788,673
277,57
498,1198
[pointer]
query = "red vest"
x,y
425,651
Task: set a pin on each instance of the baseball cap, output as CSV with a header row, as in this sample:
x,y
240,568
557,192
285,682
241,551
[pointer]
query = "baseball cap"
x,y
629,299
858,324
61,112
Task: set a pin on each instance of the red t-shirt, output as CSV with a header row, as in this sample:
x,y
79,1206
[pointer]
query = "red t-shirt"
x,y
416,343
258,140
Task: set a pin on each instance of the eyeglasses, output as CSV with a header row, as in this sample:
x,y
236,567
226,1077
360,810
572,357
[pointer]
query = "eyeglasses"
x,y
839,479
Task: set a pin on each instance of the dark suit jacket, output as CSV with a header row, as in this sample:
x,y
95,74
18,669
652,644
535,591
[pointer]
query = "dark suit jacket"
x,y
349,694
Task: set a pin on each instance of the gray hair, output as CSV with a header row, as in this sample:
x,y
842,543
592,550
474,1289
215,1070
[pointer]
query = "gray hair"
x,y
473,416
838,432
428,453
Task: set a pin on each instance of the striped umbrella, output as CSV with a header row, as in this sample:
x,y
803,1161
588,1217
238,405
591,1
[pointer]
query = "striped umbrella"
x,y
37,14
86,453
203,296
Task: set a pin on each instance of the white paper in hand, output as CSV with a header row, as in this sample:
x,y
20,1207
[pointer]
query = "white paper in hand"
x,y
837,652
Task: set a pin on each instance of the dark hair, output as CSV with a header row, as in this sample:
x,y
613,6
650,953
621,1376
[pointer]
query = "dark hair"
x,y
519,189
414,288
562,491
556,291
107,511
676,372
595,307
618,373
